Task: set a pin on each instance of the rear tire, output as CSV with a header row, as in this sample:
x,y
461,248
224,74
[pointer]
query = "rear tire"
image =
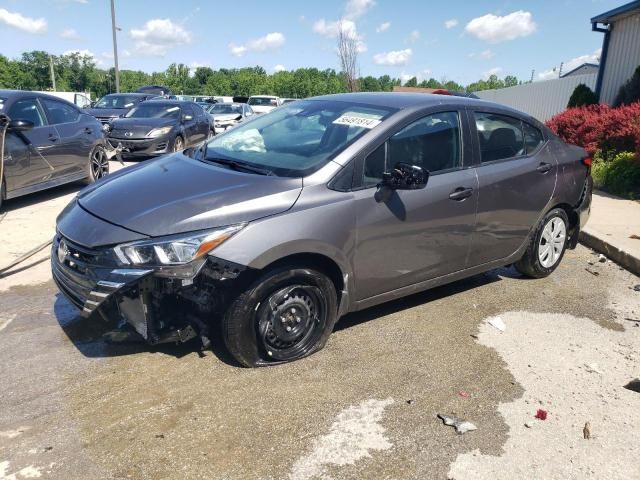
x,y
546,246
98,166
286,314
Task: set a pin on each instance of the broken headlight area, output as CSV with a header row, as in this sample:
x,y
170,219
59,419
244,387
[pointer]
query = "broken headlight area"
x,y
168,290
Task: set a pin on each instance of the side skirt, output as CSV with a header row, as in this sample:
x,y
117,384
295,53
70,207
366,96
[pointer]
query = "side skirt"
x,y
45,185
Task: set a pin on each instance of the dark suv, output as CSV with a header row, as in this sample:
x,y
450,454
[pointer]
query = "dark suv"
x,y
115,105
160,126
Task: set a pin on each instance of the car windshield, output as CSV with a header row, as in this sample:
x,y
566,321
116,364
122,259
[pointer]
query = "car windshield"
x,y
297,139
263,101
225,108
118,101
154,110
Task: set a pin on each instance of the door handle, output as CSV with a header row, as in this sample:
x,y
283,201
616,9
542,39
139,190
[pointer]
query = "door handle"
x,y
53,138
461,193
88,130
544,167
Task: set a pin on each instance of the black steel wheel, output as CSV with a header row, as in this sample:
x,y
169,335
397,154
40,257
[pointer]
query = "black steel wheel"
x,y
287,314
98,164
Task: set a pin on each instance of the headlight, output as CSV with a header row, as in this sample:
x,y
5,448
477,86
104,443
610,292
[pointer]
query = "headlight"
x,y
158,132
174,250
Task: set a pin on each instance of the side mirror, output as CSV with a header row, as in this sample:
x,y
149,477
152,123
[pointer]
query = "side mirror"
x,y
405,177
20,125
187,118
92,104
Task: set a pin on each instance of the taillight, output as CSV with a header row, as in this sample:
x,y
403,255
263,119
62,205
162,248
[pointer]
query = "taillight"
x,y
587,161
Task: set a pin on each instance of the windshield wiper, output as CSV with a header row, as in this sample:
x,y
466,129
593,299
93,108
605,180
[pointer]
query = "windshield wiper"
x,y
235,165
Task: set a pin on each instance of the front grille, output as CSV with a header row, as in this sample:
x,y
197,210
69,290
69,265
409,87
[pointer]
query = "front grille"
x,y
104,120
75,272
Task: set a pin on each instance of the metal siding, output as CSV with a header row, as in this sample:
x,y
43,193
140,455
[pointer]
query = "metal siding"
x,y
623,57
541,100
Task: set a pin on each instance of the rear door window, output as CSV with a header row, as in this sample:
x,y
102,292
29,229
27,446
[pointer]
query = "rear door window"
x,y
59,112
500,136
533,138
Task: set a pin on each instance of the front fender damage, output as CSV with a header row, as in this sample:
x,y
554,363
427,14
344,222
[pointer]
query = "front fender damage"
x,y
162,309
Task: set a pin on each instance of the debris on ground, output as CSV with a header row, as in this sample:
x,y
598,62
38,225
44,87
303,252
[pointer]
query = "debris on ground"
x,y
593,272
637,287
586,431
461,426
409,402
528,424
464,394
496,322
602,258
541,414
633,385
592,368
634,237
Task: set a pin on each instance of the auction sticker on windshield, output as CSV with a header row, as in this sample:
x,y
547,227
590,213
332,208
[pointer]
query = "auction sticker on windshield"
x,y
356,121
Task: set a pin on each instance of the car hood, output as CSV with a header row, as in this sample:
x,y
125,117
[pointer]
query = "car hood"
x,y
224,117
262,108
106,112
176,194
138,127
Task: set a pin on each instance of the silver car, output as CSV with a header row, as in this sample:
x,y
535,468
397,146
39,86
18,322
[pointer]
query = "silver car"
x,y
271,232
226,115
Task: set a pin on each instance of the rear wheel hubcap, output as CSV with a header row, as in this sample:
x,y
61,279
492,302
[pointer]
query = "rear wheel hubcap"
x,y
552,242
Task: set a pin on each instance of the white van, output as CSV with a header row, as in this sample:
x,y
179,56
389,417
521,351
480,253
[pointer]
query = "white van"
x,y
80,99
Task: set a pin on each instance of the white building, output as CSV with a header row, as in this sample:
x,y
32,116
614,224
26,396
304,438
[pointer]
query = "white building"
x,y
620,48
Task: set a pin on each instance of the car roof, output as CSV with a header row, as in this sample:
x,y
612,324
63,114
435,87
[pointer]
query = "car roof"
x,y
29,93
169,101
131,94
401,100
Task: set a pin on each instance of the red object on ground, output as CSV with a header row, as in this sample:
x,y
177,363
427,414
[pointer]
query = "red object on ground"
x,y
541,414
463,393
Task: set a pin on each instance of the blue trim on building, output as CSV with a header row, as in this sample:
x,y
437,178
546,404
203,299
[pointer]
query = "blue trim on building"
x,y
607,16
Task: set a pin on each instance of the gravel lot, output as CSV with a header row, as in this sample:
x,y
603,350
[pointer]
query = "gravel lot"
x,y
73,407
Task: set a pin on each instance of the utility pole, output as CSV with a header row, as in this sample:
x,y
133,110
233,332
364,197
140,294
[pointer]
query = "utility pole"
x,y
53,74
115,45
560,71
532,74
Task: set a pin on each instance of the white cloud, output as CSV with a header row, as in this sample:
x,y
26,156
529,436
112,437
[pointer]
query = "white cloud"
x,y
491,71
158,36
451,23
269,42
70,34
570,65
26,24
487,54
279,68
383,27
356,8
420,76
331,30
494,29
85,53
395,57
414,36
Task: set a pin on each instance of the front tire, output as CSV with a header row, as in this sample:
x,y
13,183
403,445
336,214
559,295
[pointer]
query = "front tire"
x,y
98,165
285,315
178,144
546,247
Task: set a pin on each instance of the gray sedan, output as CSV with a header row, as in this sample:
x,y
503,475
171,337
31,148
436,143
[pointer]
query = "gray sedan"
x,y
271,232
226,115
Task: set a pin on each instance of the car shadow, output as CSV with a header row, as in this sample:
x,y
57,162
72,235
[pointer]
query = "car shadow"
x,y
87,334
42,196
420,298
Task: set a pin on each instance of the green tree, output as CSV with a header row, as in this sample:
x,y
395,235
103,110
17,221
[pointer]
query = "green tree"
x,y
582,95
412,82
630,91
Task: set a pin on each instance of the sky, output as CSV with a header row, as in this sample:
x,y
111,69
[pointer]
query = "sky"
x,y
454,39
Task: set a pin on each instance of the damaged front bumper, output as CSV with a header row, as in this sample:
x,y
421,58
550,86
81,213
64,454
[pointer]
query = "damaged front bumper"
x,y
160,308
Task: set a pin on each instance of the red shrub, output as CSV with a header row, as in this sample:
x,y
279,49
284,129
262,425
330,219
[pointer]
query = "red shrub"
x,y
600,127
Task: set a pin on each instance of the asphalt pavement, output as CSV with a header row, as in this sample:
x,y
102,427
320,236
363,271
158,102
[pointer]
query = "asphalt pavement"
x,y
74,407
